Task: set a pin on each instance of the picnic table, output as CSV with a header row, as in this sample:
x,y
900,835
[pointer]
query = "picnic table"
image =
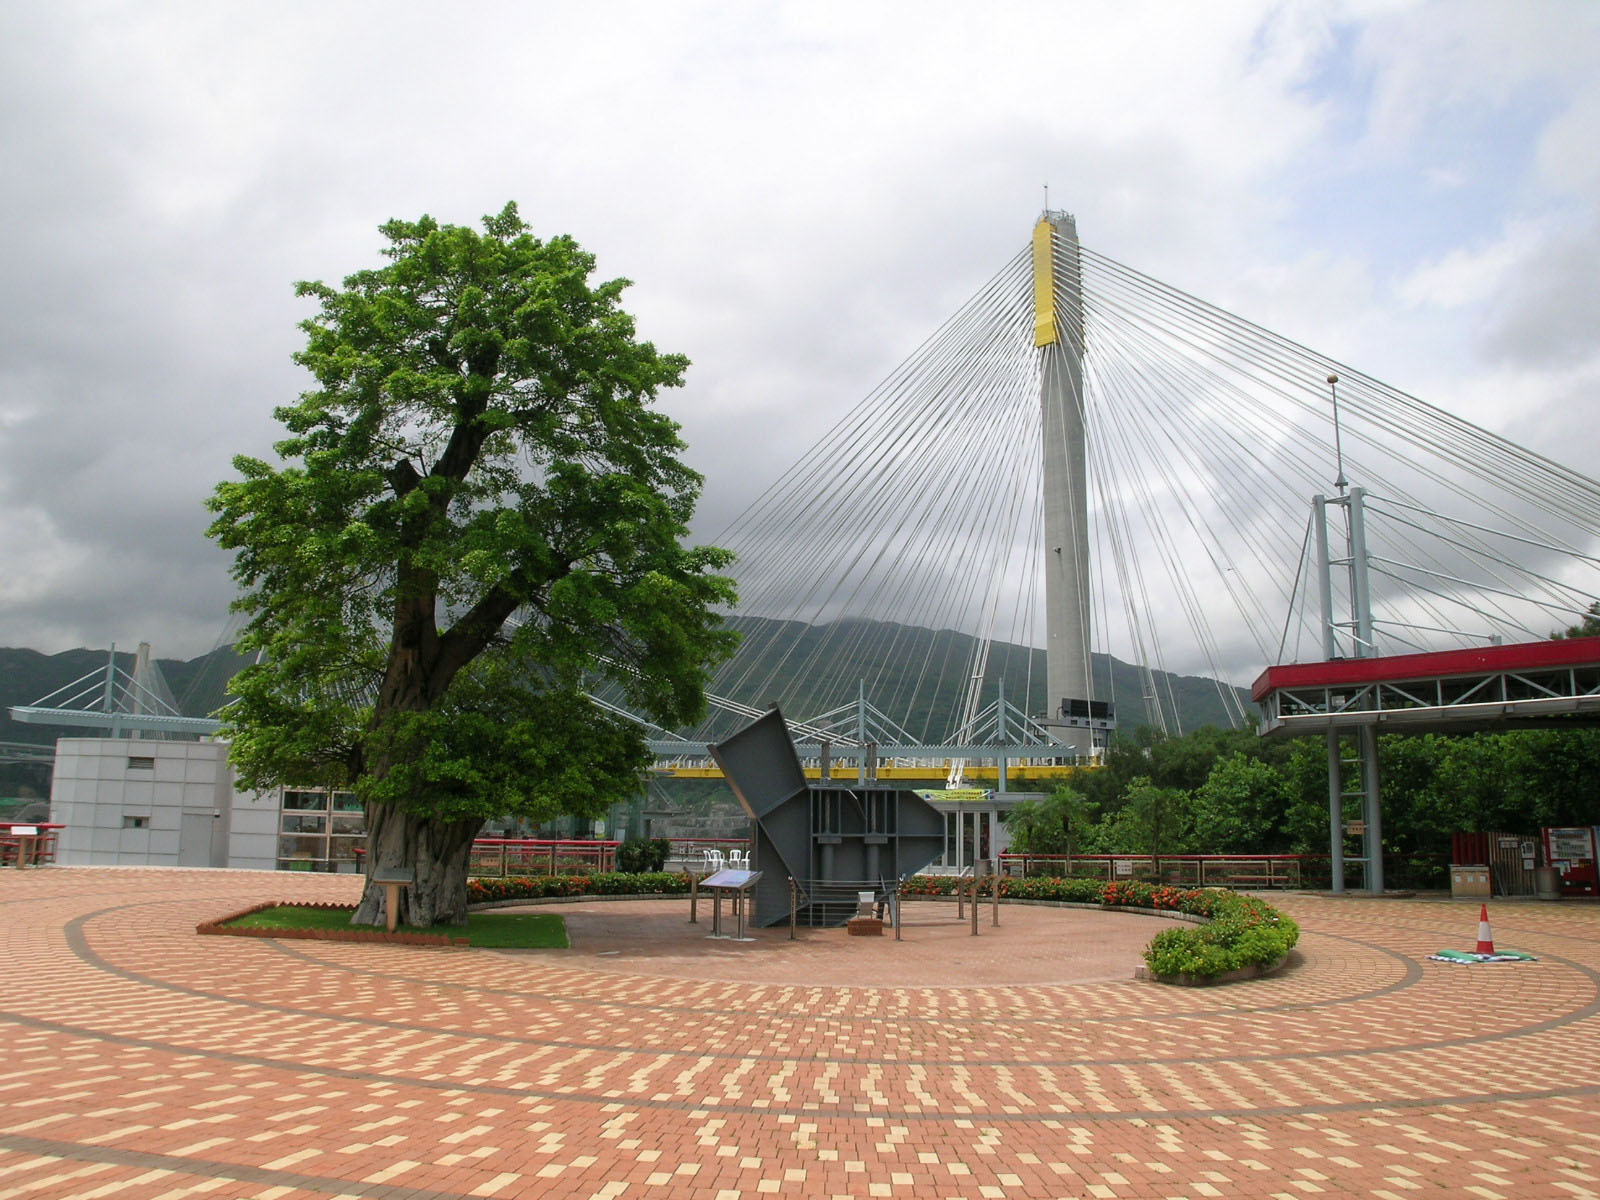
x,y
28,843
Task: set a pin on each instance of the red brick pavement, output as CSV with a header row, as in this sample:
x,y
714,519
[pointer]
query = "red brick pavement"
x,y
140,1060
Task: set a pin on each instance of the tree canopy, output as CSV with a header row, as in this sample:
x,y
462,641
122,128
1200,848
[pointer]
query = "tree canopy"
x,y
1052,824
1215,791
477,513
1588,627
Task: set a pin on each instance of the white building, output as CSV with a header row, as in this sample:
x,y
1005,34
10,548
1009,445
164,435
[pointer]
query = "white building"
x,y
141,802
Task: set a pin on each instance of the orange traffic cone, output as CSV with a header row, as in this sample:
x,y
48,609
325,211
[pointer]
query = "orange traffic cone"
x,y
1485,937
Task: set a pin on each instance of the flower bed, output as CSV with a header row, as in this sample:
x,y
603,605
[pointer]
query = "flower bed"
x,y
1244,935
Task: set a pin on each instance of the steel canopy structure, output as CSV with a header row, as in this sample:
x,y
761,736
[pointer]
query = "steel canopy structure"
x,y
1553,683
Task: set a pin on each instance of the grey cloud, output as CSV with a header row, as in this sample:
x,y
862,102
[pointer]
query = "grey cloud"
x,y
799,214
1549,315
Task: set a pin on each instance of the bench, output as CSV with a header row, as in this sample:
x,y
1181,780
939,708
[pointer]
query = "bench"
x,y
20,845
1236,879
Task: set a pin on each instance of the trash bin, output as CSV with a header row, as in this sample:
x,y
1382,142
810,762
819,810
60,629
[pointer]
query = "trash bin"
x,y
1547,883
1470,880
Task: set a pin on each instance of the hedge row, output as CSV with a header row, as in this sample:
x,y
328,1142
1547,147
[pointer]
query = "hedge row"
x,y
599,883
1131,894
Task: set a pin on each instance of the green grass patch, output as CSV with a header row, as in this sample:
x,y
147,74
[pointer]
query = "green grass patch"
x,y
492,930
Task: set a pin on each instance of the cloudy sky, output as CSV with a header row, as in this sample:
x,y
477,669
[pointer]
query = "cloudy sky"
x,y
801,192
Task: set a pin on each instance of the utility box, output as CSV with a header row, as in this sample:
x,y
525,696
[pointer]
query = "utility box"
x,y
1471,880
1512,858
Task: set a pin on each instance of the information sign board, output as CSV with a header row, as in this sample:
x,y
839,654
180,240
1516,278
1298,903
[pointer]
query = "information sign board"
x,y
730,877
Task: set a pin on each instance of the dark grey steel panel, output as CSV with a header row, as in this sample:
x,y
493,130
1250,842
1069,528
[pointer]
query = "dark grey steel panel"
x,y
760,764
869,835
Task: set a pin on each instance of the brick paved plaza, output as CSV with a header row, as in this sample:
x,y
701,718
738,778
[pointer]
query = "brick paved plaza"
x,y
141,1060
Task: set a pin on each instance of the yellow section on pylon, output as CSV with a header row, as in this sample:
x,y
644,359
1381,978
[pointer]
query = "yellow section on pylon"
x,y
1044,284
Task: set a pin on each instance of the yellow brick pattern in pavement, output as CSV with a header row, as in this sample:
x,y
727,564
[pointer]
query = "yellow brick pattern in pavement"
x,y
142,1061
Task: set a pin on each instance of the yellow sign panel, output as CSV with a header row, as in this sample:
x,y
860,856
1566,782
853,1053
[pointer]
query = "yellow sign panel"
x,y
1044,284
956,795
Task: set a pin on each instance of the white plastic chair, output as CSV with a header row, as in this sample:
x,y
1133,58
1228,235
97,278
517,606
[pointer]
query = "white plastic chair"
x,y
713,860
738,859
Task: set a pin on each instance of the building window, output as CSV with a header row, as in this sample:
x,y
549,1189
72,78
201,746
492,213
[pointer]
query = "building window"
x,y
135,822
140,763
319,830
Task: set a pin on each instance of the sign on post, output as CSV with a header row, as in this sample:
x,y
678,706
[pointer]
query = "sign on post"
x,y
393,879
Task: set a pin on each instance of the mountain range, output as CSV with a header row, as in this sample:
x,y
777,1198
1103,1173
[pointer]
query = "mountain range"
x,y
917,675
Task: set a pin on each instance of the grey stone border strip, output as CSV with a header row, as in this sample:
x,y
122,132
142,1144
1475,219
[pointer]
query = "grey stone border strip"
x,y
216,1169
1411,974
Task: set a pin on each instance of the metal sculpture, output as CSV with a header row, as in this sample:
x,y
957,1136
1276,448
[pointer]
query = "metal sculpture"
x,y
833,839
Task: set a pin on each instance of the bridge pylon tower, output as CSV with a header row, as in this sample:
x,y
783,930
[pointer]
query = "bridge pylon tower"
x,y
1073,714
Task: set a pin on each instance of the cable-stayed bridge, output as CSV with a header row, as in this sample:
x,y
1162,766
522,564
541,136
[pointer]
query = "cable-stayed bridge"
x,y
1082,461
1082,458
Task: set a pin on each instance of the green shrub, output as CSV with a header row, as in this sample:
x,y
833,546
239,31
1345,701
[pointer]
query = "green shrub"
x,y
638,856
1244,932
1042,887
929,885
1181,952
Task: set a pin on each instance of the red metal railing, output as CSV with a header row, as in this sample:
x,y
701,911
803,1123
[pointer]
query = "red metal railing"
x,y
1183,870
499,857
29,848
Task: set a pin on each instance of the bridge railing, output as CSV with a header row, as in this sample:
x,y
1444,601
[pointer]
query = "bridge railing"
x,y
1180,870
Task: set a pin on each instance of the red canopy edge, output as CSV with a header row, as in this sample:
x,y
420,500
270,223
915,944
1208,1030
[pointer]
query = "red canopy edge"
x,y
1519,656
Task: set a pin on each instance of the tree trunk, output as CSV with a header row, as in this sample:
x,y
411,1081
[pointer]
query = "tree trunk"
x,y
438,851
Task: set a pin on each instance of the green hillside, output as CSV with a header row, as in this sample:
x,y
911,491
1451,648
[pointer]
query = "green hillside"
x,y
199,685
918,677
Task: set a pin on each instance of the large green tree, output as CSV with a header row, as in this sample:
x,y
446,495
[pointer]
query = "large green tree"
x,y
1241,808
477,516
1153,820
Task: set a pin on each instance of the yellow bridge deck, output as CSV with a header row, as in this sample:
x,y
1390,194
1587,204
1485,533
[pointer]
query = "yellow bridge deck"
x,y
896,774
